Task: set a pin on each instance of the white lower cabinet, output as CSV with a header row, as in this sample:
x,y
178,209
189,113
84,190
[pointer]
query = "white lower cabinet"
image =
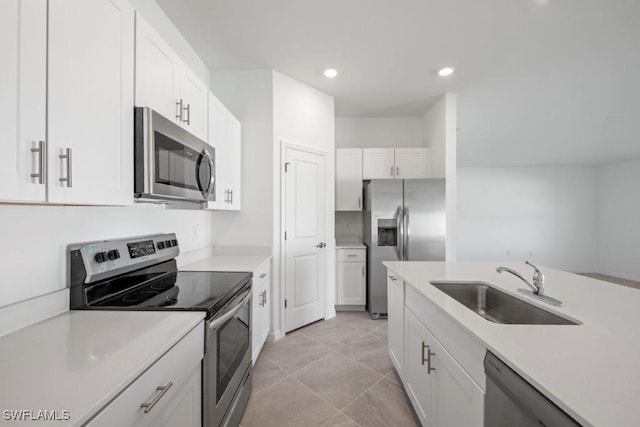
x,y
352,278
169,393
395,323
261,314
440,388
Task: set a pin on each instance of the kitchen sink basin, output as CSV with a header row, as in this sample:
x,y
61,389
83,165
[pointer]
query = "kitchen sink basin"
x,y
498,306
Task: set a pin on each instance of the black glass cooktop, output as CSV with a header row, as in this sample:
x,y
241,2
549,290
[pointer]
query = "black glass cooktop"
x,y
174,290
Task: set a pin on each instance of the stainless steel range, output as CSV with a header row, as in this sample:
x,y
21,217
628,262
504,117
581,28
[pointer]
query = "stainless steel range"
x,y
140,273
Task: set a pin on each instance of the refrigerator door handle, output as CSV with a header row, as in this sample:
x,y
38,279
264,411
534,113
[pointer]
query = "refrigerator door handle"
x,y
405,234
399,226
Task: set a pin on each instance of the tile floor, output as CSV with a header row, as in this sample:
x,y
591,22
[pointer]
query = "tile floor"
x,y
332,373
612,279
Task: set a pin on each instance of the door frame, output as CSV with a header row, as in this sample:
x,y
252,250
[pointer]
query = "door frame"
x,y
284,145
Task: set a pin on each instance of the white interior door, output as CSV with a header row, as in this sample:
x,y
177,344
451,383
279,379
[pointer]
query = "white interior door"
x,y
305,242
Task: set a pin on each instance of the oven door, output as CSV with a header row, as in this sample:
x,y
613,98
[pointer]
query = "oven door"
x,y
227,358
170,163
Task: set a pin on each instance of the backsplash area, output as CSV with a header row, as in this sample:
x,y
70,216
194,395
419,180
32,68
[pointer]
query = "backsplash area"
x,y
33,261
349,226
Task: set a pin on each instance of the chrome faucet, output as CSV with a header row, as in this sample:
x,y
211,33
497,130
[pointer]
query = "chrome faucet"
x,y
537,287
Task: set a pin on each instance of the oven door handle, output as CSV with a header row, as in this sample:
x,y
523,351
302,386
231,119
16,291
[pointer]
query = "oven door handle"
x,y
216,323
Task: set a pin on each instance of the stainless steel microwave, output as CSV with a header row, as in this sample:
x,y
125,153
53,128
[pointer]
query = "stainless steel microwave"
x,y
170,164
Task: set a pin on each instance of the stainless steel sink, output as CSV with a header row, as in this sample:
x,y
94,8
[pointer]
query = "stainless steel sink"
x,y
498,306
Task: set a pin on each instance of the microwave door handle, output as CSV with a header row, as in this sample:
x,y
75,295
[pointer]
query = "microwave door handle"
x,y
212,169
205,192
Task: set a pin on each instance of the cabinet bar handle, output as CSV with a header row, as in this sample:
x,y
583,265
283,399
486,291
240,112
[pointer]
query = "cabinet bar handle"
x,y
231,197
41,162
351,255
263,275
68,179
188,110
424,346
393,279
363,271
429,354
391,171
179,110
397,170
163,389
359,202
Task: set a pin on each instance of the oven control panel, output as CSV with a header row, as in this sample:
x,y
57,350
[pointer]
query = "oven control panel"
x,y
108,258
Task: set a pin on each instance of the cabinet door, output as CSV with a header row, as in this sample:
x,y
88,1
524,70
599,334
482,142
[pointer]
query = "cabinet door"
x,y
351,283
377,163
395,308
234,173
90,101
419,382
185,407
157,72
412,162
23,73
459,401
217,124
349,179
261,311
193,93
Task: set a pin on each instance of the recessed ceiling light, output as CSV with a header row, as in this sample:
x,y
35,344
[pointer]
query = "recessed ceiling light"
x,y
446,71
330,72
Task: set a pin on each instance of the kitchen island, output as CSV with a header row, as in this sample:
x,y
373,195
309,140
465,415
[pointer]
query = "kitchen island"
x,y
589,370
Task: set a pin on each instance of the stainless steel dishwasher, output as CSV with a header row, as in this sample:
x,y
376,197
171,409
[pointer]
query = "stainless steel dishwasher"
x,y
510,401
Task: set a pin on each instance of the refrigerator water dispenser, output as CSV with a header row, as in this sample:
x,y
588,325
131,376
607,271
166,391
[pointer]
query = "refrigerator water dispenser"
x,y
387,232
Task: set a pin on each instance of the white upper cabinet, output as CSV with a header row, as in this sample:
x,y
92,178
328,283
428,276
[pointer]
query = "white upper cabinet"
x,y
90,119
23,73
165,84
225,135
381,163
377,163
349,179
193,93
157,68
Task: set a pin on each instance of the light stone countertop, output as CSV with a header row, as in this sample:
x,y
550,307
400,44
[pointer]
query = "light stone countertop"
x,y
80,360
227,263
591,370
350,245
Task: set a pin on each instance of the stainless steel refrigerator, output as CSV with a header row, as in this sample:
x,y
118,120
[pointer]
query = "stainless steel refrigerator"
x,y
404,220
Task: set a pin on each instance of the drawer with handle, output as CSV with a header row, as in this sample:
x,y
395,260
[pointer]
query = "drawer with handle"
x,y
154,390
359,255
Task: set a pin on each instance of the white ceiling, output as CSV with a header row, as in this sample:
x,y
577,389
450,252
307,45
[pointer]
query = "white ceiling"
x,y
538,81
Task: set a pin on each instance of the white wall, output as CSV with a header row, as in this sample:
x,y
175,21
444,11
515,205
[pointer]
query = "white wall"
x,y
379,132
40,234
305,117
619,219
170,33
249,96
440,124
550,211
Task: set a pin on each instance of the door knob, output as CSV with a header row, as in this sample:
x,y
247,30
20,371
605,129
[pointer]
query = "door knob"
x,y
321,245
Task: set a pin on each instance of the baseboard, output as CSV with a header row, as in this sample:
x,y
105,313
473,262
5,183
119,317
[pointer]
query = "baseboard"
x,y
275,336
350,308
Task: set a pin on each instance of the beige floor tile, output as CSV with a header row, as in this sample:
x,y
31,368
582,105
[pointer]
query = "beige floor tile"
x,y
336,335
337,379
340,420
370,351
383,405
286,404
322,325
294,352
265,373
359,320
393,376
382,331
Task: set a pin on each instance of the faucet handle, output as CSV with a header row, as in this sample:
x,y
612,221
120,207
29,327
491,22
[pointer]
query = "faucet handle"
x,y
537,275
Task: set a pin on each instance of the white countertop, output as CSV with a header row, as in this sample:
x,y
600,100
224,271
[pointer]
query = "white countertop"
x,y
79,360
350,245
592,370
227,263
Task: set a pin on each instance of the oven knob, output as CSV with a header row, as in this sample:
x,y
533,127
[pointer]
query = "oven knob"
x,y
160,245
167,243
113,255
174,242
100,257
